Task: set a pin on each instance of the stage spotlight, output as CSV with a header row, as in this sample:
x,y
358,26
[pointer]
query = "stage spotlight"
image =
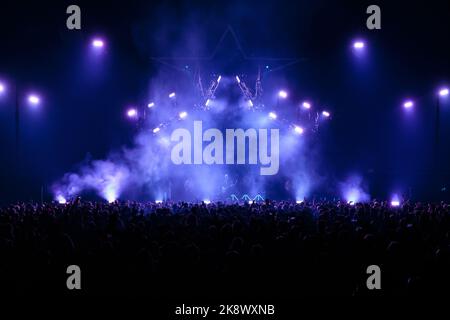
x,y
272,115
251,202
443,92
326,114
282,94
408,104
306,105
151,105
299,201
132,113
298,130
61,199
33,99
358,45
2,88
250,103
395,203
158,201
206,201
183,115
238,80
218,79
172,95
207,103
98,43
156,130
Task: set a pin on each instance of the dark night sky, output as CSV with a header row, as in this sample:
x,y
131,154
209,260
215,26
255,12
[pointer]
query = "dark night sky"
x,y
83,106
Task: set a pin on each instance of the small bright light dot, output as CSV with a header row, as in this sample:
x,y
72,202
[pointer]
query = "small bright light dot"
x,y
250,202
33,99
298,130
206,201
250,103
443,92
325,114
207,102
352,203
282,94
97,43
2,88
395,203
183,115
408,104
218,79
299,201
158,201
272,115
238,80
61,199
358,45
156,130
151,105
131,113
172,95
306,105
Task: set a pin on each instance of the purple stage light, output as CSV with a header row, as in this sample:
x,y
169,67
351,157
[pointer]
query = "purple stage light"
x,y
98,43
2,88
151,105
172,95
206,201
183,115
443,92
132,113
61,199
306,105
408,104
33,99
298,130
282,94
272,115
326,114
395,203
218,79
299,201
358,45
158,201
238,80
156,130
207,103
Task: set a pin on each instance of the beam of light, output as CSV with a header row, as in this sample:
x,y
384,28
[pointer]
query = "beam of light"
x,y
250,103
238,80
183,115
298,130
156,130
282,94
151,105
326,114
218,79
408,104
33,99
158,201
272,115
443,92
98,43
306,105
172,95
132,113
206,201
358,45
61,199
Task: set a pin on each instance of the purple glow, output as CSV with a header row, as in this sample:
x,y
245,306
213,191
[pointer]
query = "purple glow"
x,y
358,45
282,94
183,115
98,43
272,115
151,105
33,99
132,113
2,87
408,104
298,130
326,114
172,95
443,92
306,105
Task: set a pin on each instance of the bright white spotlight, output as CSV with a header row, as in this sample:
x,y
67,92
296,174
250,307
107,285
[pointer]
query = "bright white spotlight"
x,y
352,203
250,202
298,130
238,80
158,201
395,203
183,115
206,201
207,103
98,43
282,94
408,104
272,115
33,99
299,201
151,105
250,103
443,92
326,114
218,79
156,130
2,87
132,113
358,45
172,95
306,105
61,199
